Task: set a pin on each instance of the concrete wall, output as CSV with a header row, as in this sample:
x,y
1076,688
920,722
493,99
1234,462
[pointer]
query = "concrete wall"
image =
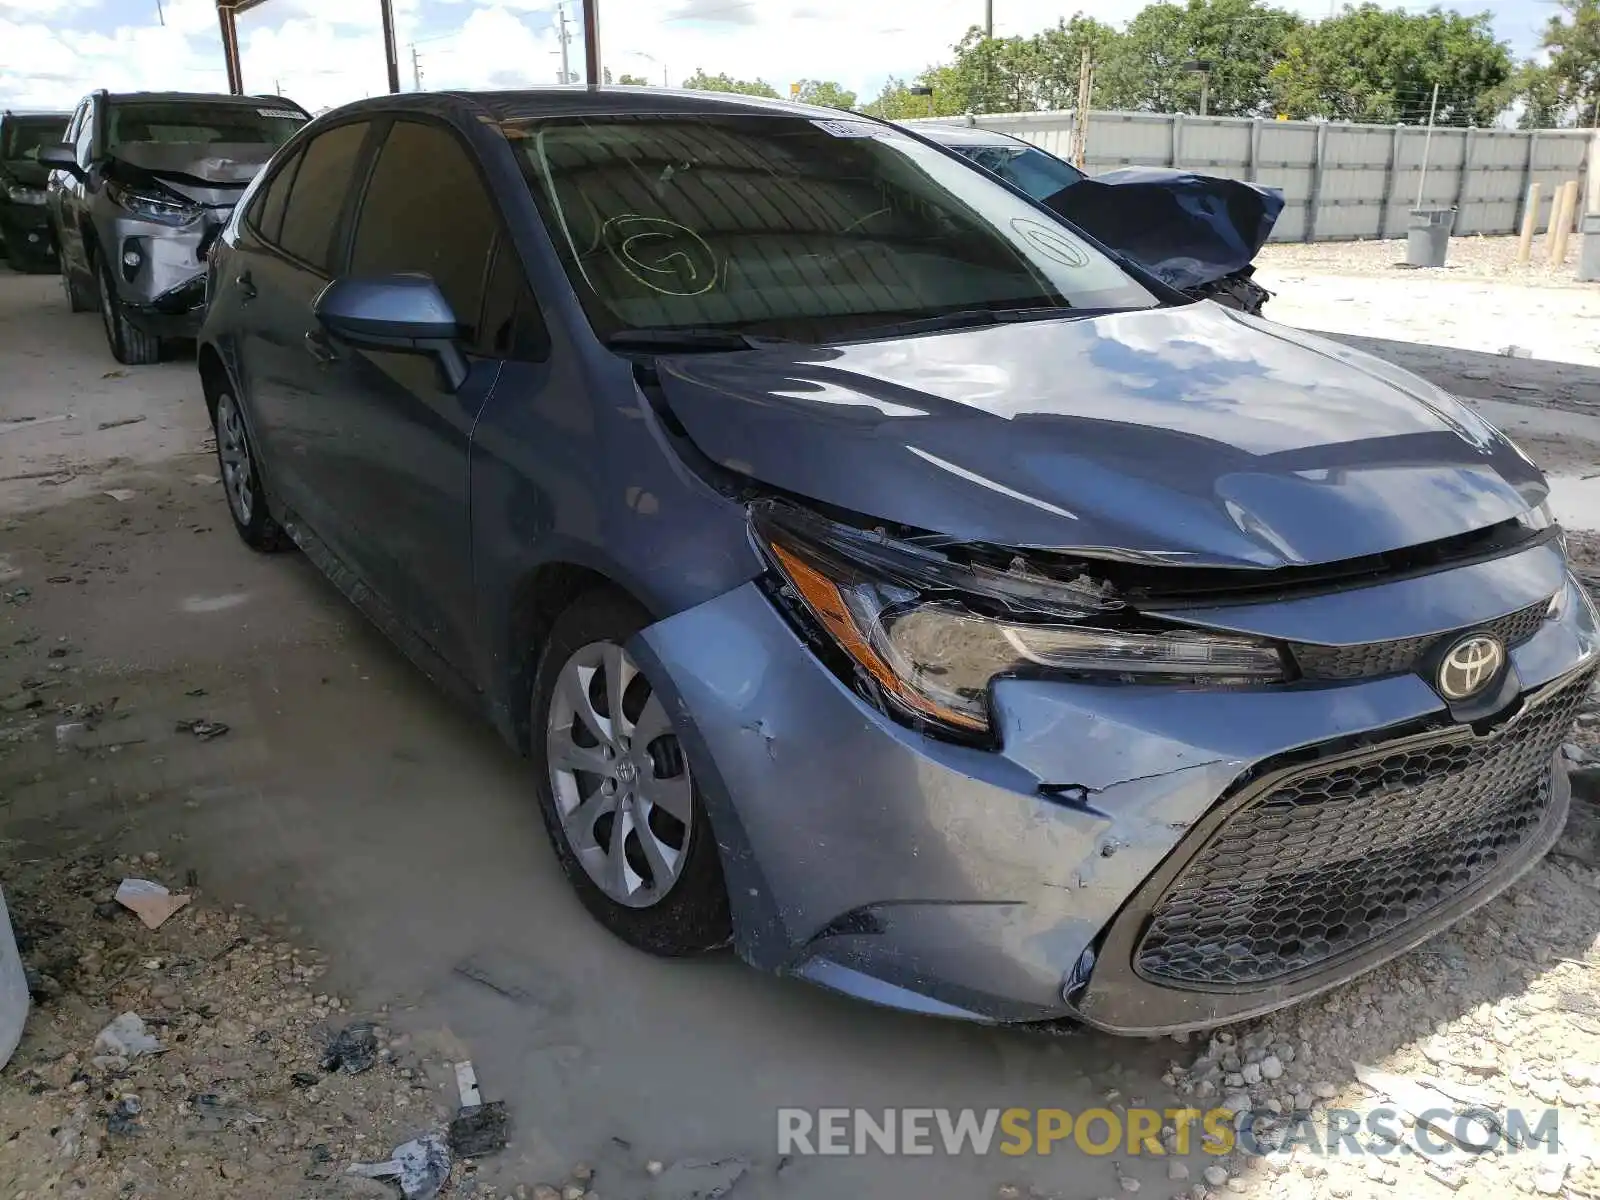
x,y
1339,180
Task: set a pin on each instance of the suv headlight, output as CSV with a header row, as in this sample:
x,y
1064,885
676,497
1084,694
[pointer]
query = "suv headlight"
x,y
932,634
18,194
151,206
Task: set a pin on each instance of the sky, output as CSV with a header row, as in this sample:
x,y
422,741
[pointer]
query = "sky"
x,y
328,52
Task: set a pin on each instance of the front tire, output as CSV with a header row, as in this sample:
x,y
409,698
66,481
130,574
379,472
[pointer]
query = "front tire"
x,y
128,344
241,480
78,300
615,787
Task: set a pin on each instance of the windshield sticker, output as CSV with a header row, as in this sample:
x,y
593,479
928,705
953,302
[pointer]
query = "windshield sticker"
x,y
1050,242
848,129
282,114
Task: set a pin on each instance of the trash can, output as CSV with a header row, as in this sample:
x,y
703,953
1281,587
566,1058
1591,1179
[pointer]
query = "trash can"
x,y
13,988
1589,260
1428,237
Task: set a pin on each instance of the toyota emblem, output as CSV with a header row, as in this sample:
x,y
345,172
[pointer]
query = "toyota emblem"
x,y
1470,666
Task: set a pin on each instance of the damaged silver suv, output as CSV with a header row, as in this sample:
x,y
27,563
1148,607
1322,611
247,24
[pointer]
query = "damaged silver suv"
x,y
141,186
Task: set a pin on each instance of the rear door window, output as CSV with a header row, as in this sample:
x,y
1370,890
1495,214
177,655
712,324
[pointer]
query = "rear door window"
x,y
426,209
327,171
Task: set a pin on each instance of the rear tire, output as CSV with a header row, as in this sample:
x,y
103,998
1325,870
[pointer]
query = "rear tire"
x,y
645,861
128,344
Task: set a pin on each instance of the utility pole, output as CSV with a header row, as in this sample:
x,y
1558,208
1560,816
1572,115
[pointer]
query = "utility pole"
x,y
1080,116
988,18
565,38
392,60
416,69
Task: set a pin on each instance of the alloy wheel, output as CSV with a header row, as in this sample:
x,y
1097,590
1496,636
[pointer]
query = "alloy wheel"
x,y
234,452
619,776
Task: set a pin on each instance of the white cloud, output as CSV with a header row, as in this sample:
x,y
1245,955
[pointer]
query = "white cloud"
x,y
41,8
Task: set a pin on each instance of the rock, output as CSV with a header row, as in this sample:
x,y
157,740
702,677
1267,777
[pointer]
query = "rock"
x,y
1574,753
1251,1073
1238,1184
1236,1102
583,1172
1007,1191
1127,1184
572,1192
1234,1079
1177,1170
1271,1067
126,1038
1215,1175
654,1167
1323,1090
543,1191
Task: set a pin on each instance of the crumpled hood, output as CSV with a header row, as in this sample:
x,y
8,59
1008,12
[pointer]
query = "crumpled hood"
x,y
25,172
218,164
1190,434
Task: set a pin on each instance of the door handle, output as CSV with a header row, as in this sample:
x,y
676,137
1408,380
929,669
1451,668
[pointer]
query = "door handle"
x,y
317,346
247,289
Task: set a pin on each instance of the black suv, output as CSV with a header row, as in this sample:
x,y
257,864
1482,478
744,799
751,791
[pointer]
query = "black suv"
x,y
143,186
24,223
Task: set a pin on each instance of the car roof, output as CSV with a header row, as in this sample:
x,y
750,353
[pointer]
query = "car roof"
x,y
965,135
201,97
579,100
9,115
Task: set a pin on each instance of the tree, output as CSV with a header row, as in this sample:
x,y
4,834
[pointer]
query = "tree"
x,y
896,103
1565,90
701,82
826,93
1060,59
1242,40
633,80
1380,66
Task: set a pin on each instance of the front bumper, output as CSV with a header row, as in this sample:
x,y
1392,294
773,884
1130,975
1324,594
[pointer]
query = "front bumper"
x,y
26,231
160,271
1017,885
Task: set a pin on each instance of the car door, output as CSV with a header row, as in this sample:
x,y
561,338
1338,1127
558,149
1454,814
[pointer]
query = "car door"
x,y
66,194
401,458
282,261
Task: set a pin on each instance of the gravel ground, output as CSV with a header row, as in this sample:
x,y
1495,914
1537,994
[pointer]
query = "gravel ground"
x,y
1472,257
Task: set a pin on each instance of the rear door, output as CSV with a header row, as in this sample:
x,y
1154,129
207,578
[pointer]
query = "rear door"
x,y
66,195
402,453
281,265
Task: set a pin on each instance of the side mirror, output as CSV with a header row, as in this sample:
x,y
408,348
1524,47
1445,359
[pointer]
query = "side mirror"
x,y
61,158
407,313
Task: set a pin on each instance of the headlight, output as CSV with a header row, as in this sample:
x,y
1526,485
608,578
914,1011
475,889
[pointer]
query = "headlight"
x,y
18,194
152,207
932,634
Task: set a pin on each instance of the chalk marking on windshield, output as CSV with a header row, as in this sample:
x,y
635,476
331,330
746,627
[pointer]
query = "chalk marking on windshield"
x,y
629,255
983,481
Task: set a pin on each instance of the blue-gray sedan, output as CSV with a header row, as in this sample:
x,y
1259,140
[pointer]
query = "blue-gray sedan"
x,y
885,577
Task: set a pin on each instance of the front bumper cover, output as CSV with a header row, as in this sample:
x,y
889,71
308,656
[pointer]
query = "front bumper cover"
x,y
967,883
26,231
164,292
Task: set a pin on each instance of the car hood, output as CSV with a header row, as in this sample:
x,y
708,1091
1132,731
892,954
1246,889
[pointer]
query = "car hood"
x,y
200,164
1190,434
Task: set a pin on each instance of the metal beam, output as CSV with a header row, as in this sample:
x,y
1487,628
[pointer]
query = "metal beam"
x,y
390,54
230,42
591,42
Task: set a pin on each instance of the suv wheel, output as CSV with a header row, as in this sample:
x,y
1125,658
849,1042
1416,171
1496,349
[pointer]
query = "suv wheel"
x,y
128,345
78,300
247,503
616,790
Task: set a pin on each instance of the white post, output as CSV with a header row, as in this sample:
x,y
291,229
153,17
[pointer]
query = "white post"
x,y
1427,141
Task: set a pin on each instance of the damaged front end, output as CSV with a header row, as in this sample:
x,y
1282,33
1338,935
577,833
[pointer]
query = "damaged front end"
x,y
162,207
1023,786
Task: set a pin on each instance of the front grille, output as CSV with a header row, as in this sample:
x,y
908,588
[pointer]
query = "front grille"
x,y
1340,854
1404,654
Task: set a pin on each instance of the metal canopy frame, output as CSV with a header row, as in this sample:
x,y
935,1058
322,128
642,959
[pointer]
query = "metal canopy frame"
x,y
228,12
227,16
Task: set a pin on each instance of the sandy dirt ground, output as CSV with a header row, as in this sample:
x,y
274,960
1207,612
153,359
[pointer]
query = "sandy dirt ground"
x,y
380,855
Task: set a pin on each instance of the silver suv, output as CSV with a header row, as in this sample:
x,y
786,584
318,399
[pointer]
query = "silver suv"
x,y
141,186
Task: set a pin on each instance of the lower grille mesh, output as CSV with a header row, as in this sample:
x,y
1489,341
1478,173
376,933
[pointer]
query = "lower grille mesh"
x,y
1340,855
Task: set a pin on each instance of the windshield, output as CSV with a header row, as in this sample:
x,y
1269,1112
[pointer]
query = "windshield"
x,y
1026,167
790,227
26,136
189,121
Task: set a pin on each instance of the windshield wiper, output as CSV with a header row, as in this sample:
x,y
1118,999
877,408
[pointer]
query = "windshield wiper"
x,y
689,338
970,318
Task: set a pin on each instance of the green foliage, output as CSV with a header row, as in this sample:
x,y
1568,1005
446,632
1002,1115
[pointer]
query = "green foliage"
x,y
1365,64
1380,65
1565,90
702,82
826,93
633,80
